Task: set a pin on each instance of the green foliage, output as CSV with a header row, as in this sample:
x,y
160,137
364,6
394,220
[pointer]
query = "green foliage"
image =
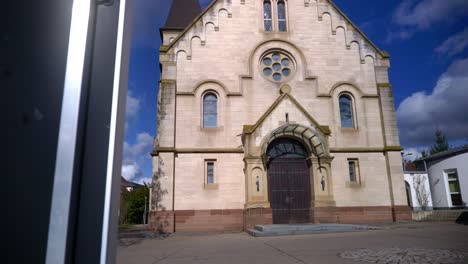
x,y
424,154
440,143
132,205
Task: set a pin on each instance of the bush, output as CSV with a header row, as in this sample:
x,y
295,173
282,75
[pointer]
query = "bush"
x,y
132,206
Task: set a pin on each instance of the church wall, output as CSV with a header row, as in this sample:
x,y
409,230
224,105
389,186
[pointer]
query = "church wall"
x,y
166,115
389,117
397,177
190,132
163,170
228,191
373,188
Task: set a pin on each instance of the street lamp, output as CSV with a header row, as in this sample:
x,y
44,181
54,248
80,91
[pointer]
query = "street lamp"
x,y
144,213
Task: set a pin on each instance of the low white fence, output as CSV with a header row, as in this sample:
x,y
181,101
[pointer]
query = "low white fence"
x,y
437,215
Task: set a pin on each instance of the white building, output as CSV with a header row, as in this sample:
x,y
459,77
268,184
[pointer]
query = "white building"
x,y
448,177
418,190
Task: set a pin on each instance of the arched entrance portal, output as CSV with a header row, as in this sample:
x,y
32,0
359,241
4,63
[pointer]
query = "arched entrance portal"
x,y
288,181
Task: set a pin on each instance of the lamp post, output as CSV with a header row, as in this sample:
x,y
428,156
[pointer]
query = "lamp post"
x,y
144,213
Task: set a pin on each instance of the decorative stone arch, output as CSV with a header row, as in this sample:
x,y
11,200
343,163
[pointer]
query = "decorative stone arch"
x,y
356,95
310,139
355,90
281,45
318,159
212,84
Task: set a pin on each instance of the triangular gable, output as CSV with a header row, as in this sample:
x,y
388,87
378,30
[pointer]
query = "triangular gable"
x,y
384,54
181,35
249,129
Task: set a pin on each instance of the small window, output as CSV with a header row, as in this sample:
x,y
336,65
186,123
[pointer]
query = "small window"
x,y
210,172
210,110
346,111
268,25
454,187
353,170
281,16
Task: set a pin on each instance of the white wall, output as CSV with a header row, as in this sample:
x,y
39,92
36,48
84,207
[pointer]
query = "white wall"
x,y
409,178
439,182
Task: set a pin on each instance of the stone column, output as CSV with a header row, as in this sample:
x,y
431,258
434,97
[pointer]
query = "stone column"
x,y
257,208
323,206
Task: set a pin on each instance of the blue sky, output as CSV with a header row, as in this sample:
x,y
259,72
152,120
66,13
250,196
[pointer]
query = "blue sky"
x,y
427,41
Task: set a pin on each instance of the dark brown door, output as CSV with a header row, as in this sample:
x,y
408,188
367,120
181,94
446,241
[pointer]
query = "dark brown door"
x,y
289,190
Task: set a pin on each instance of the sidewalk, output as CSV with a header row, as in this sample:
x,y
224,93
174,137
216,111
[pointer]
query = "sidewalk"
x,y
402,243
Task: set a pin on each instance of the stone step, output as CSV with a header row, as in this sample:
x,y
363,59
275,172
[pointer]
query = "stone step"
x,y
305,229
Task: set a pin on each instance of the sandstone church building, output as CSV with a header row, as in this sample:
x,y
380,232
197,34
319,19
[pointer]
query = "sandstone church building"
x,y
272,112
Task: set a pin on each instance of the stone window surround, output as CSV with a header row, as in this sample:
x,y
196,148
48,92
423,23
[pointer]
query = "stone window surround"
x,y
354,128
214,185
202,114
274,17
357,183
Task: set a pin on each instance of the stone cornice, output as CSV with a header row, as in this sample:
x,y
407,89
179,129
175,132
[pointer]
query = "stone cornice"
x,y
158,150
364,150
384,85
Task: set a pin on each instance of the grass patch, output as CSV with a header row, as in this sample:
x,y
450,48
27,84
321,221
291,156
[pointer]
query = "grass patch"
x,y
125,227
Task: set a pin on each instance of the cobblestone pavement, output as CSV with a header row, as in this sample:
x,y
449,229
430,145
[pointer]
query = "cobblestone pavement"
x,y
397,243
405,255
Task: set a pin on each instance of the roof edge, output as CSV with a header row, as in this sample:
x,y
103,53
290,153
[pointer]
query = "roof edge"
x,y
446,154
190,25
249,129
384,54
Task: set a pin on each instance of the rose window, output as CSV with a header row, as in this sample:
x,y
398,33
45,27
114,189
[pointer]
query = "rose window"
x,y
277,66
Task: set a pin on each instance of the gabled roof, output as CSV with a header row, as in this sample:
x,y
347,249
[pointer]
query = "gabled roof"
x,y
197,17
446,154
182,13
125,183
248,129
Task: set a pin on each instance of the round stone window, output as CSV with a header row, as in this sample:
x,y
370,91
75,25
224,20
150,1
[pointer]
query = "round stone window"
x,y
277,66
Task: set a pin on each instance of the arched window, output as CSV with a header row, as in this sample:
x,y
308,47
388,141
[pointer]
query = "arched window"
x,y
210,110
346,111
281,16
267,15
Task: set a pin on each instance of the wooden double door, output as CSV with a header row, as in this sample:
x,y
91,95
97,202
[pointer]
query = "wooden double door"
x,y
289,190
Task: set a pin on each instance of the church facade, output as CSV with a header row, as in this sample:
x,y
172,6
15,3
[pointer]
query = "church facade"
x,y
272,112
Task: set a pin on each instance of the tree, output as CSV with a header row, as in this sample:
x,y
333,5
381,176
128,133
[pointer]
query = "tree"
x,y
424,154
134,204
440,144
422,194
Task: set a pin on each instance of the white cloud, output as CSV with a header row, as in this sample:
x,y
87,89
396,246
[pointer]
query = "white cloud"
x,y
141,148
412,153
132,109
445,108
133,106
412,16
425,13
454,44
130,171
135,156
402,34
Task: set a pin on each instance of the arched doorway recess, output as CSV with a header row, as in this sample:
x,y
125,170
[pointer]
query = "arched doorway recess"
x,y
289,187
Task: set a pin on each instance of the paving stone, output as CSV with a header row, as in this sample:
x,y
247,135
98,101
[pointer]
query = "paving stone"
x,y
405,255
